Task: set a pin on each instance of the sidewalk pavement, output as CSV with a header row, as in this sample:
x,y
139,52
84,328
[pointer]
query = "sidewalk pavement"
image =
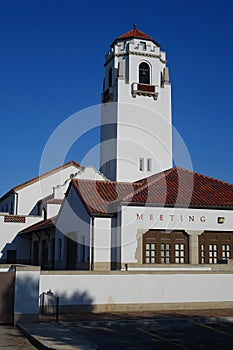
x,y
12,339
47,336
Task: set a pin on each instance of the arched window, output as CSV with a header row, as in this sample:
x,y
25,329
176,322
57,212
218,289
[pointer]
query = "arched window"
x,y
110,77
144,73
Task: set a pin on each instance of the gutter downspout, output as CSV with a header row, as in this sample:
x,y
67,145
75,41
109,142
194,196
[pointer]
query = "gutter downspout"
x,y
92,245
16,203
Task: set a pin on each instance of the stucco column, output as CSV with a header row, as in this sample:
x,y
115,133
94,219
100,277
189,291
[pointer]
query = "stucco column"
x,y
193,246
139,248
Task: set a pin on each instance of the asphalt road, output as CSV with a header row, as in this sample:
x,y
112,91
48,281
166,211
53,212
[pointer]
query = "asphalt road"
x,y
154,334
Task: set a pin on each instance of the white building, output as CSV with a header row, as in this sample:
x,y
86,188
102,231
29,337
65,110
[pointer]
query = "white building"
x,y
108,225
36,200
174,216
148,215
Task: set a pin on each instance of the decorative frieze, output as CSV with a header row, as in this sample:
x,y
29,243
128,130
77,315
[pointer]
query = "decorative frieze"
x,y
14,218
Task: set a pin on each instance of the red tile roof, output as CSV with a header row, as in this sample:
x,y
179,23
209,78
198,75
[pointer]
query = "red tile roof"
x,y
37,178
55,201
174,187
135,33
39,226
102,197
181,187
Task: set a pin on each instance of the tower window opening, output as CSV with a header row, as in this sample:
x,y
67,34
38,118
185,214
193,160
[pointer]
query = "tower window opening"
x,y
149,164
141,164
161,79
144,73
110,77
143,45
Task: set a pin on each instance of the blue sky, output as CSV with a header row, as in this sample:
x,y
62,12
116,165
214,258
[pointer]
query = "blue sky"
x,y
52,54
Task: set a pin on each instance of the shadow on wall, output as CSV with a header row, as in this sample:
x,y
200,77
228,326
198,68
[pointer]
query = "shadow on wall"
x,y
26,307
51,304
12,252
7,282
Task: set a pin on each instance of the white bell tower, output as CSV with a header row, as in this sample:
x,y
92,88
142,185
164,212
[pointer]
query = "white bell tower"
x,y
136,123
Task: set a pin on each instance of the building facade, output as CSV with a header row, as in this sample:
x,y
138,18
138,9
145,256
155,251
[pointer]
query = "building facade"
x,y
30,204
146,225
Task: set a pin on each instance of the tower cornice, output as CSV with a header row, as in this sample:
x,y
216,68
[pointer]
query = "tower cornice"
x,y
137,54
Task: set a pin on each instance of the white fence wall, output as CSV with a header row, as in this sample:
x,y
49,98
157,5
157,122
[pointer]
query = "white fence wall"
x,y
141,288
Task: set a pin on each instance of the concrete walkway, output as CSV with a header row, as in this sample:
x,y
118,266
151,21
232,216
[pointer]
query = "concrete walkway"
x,y
53,336
12,339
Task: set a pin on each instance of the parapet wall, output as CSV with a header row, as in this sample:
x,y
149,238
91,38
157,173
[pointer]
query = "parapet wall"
x,y
134,291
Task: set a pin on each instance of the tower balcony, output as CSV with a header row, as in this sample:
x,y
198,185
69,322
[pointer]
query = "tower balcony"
x,y
145,90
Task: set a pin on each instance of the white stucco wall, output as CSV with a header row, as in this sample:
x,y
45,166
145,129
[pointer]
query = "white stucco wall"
x,y
102,240
8,204
10,240
139,288
139,218
72,219
52,209
26,292
29,195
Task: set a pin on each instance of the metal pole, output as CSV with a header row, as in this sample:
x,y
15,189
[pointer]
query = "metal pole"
x,y
57,309
42,303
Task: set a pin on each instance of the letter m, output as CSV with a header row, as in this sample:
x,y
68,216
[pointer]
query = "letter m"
x,y
139,216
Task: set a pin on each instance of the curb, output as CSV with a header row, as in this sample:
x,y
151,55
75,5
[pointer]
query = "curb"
x,y
39,345
148,321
